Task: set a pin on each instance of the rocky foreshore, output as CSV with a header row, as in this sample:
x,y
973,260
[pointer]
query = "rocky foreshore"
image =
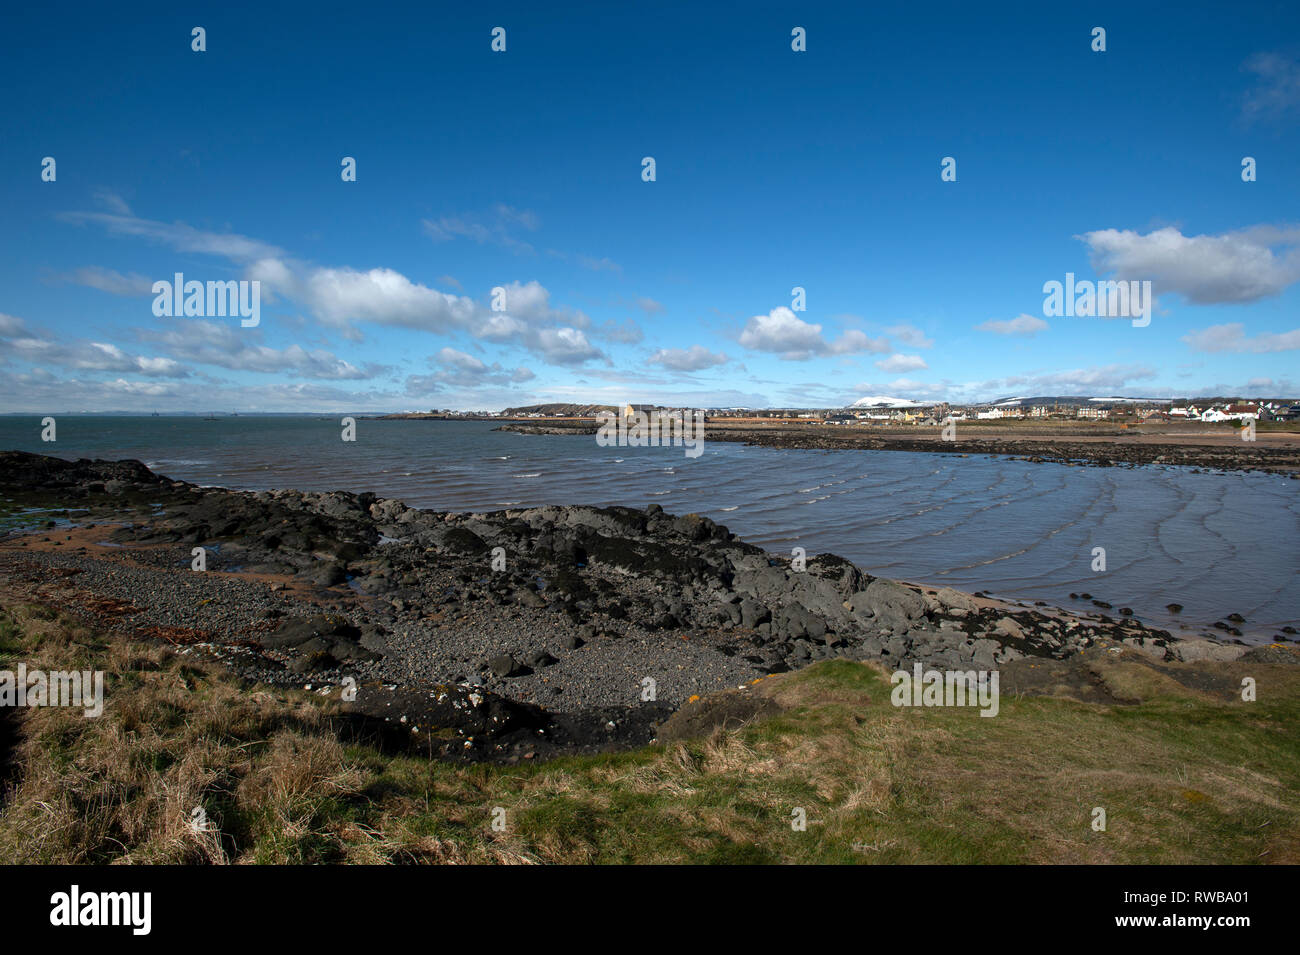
x,y
520,632
1113,450
552,429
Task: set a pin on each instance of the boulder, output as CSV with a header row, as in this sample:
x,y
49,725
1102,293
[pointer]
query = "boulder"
x,y
892,604
955,600
1190,651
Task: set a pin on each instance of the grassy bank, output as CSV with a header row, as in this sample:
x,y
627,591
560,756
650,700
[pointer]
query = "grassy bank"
x,y
1185,776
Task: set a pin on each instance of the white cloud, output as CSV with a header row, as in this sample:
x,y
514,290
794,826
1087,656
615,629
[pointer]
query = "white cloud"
x,y
1243,266
112,202
225,346
386,297
458,368
564,346
1232,338
784,333
555,335
81,355
695,358
341,297
179,236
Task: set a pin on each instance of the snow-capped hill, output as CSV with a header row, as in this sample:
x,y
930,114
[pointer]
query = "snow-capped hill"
x,y
884,401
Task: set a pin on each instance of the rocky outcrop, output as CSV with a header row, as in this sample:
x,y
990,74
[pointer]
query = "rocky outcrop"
x,y
599,570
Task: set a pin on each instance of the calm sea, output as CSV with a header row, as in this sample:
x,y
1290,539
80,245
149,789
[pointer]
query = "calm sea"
x,y
1215,543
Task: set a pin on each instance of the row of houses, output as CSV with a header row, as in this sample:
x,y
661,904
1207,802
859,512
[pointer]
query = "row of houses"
x,y
1210,412
1230,411
1127,412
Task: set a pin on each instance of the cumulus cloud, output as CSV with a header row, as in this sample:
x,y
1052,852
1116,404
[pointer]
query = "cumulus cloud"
x,y
695,358
784,333
1242,266
564,346
1232,338
342,297
80,354
339,296
1022,324
225,346
462,369
555,335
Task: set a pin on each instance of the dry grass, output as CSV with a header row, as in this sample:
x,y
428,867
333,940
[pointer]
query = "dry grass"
x,y
1184,777
173,739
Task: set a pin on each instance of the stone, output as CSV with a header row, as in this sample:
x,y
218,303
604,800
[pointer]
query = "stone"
x,y
955,600
504,665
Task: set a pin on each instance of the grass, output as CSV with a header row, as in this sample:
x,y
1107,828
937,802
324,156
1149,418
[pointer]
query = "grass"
x,y
1183,777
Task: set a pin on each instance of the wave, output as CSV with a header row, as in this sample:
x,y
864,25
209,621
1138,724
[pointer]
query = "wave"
x,y
177,462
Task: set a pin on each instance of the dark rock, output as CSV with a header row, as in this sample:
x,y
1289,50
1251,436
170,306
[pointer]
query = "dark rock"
x,y
298,630
504,665
539,659
529,598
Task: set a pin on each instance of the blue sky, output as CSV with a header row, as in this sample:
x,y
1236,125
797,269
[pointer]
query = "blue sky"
x,y
523,170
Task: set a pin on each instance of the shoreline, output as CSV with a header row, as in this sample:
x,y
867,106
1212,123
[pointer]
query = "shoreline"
x,y
507,633
1270,453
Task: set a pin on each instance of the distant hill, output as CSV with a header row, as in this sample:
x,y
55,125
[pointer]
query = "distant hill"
x,y
557,408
